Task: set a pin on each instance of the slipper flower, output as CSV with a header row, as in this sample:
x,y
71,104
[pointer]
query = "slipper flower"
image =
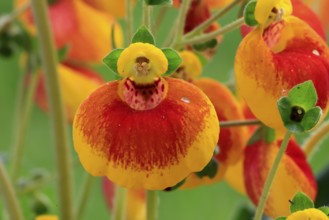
x,y
231,141
294,175
304,12
72,23
280,53
145,130
75,83
135,206
113,7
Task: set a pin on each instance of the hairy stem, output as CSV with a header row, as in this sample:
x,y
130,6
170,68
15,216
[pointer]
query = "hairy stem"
x,y
146,15
206,37
270,177
225,124
129,20
21,128
83,199
9,195
49,62
152,205
203,26
181,22
120,203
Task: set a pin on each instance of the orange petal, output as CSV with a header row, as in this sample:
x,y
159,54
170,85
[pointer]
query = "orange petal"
x,y
73,24
231,140
294,174
152,149
304,12
76,84
112,7
269,64
216,4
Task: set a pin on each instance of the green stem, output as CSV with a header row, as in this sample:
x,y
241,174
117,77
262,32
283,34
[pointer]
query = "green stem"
x,y
159,18
203,26
181,22
146,15
225,124
86,188
315,138
152,205
120,203
129,20
9,195
19,138
270,177
49,62
205,37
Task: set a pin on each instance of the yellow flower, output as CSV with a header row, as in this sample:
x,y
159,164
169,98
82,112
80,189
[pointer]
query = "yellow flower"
x,y
268,11
145,131
46,217
190,68
308,214
142,62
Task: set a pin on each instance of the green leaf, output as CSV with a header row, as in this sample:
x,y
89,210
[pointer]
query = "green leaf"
x,y
294,127
270,135
62,53
174,60
206,45
172,188
111,60
303,95
158,2
284,106
210,170
249,13
143,35
311,118
281,218
325,210
300,202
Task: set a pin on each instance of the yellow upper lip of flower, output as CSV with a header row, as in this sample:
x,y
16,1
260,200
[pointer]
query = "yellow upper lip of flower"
x,y
268,11
142,62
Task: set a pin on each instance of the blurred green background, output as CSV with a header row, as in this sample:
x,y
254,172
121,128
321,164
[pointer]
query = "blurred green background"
x,y
217,201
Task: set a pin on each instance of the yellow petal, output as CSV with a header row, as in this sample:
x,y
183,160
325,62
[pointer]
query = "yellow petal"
x,y
308,214
153,63
264,8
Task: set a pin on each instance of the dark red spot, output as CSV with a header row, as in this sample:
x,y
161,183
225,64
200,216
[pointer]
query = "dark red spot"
x,y
162,88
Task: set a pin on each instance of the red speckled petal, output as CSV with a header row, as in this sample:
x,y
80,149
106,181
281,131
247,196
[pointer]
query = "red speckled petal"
x,y
151,149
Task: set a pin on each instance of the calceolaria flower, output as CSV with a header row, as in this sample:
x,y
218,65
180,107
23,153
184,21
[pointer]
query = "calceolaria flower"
x,y
76,84
72,23
232,140
294,174
302,207
145,130
279,53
